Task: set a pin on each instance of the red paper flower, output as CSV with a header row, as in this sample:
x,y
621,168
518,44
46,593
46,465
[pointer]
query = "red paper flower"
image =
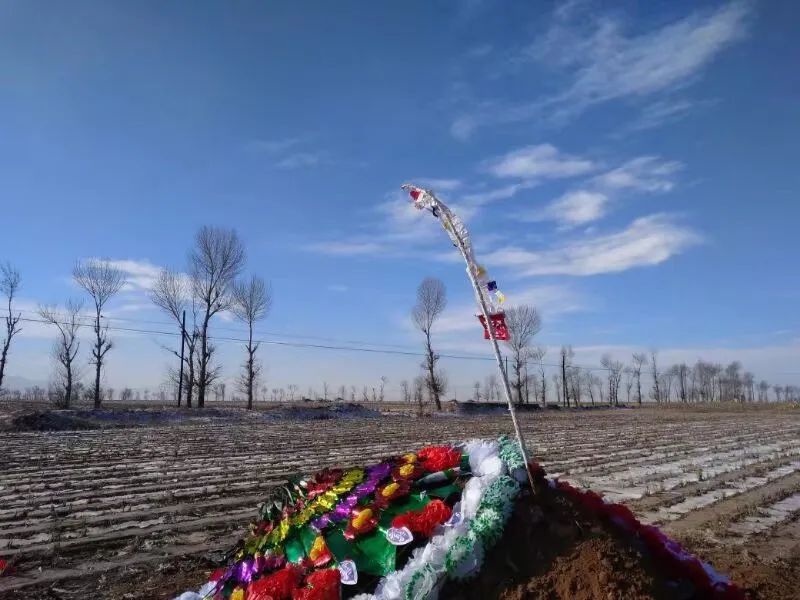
x,y
364,520
277,586
424,521
439,458
322,481
320,585
390,492
5,568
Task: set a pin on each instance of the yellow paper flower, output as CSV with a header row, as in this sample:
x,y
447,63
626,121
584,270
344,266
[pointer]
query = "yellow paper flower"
x,y
237,594
409,458
390,489
362,517
406,470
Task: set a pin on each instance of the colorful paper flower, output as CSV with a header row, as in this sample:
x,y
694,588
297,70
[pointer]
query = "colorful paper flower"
x,y
390,492
423,522
408,471
439,458
277,586
320,585
319,554
363,521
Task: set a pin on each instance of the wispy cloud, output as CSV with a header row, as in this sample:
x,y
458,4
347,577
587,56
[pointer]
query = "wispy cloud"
x,y
439,185
543,161
602,63
288,153
647,241
573,208
644,174
299,160
140,275
347,248
274,146
591,201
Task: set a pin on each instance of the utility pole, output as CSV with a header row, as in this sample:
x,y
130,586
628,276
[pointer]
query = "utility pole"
x,y
183,342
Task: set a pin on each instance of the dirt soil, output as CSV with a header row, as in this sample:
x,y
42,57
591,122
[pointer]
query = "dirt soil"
x,y
552,550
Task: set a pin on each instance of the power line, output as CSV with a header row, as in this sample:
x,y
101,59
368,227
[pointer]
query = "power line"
x,y
317,346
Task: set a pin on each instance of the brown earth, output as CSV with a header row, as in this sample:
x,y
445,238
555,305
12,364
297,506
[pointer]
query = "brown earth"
x,y
551,550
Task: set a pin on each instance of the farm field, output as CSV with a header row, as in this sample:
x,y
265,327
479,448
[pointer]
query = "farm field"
x,y
143,512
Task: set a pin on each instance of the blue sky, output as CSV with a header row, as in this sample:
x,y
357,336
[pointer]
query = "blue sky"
x,y
628,169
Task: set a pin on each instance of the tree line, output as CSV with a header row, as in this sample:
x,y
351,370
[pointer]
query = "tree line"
x,y
211,283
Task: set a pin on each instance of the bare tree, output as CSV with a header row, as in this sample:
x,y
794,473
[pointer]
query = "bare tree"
x,y
639,360
476,397
352,393
628,372
101,280
9,285
431,301
215,261
171,295
420,382
405,391
66,347
491,388
655,374
614,369
763,391
325,390
342,393
523,323
382,387
251,303
681,374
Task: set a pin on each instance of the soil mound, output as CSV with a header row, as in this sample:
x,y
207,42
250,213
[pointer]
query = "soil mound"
x,y
51,420
552,550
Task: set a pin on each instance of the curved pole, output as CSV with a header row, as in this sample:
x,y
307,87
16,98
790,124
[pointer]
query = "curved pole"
x,y
445,216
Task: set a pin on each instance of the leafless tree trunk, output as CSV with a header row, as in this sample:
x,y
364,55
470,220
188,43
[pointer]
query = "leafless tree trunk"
x,y
9,285
170,294
639,359
251,302
420,383
215,261
66,347
523,323
102,281
566,361
404,390
614,368
431,301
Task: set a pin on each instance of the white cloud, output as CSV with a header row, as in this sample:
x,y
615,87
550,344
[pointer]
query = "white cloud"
x,y
503,193
662,112
647,241
543,161
299,160
644,174
347,248
439,185
463,127
337,287
573,208
609,65
580,206
139,274
604,63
